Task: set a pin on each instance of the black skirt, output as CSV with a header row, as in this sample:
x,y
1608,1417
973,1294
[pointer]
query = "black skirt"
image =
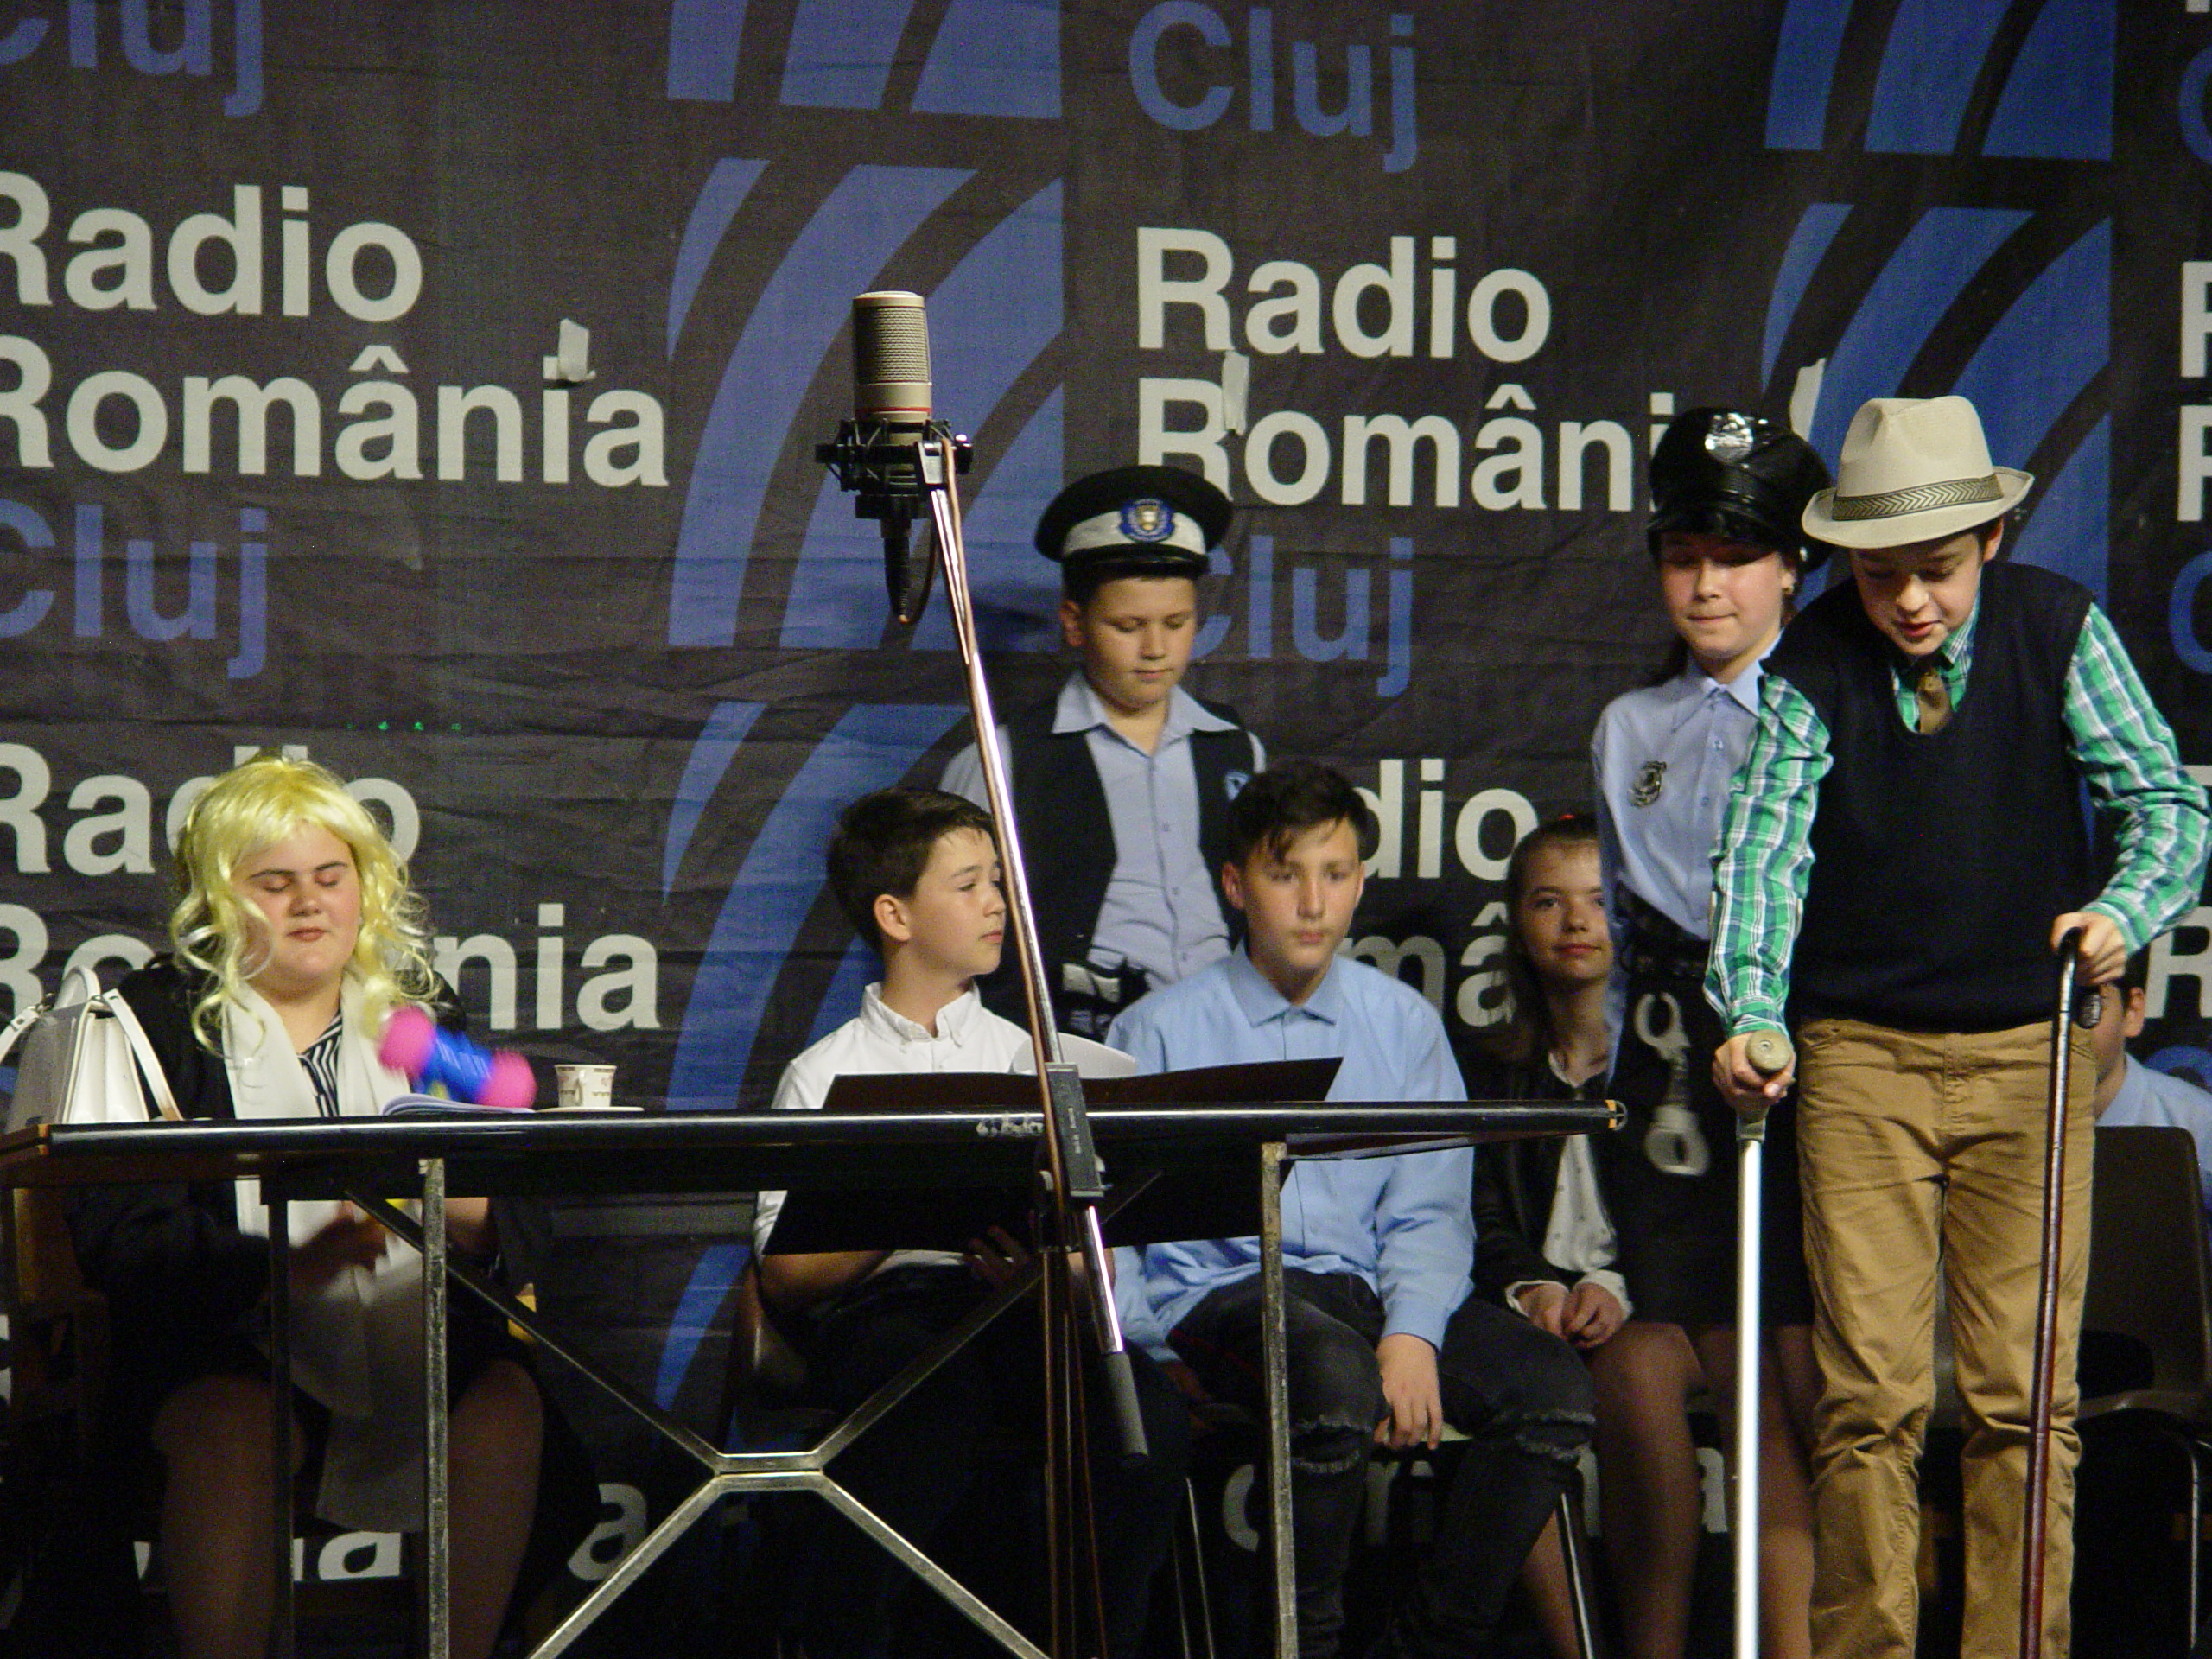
x,y
1670,1174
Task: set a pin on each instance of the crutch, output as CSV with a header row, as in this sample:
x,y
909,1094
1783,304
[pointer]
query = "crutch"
x,y
2054,1189
1769,1054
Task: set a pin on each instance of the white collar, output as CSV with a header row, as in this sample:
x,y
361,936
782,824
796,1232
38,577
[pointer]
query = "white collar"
x,y
955,1020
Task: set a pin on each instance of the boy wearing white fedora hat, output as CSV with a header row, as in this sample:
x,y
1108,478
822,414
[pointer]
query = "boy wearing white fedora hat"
x,y
1904,850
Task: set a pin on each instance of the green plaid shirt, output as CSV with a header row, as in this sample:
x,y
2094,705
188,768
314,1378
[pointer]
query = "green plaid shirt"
x,y
2120,741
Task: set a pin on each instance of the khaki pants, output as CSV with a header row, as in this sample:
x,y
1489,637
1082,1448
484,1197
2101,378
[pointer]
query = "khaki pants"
x,y
1920,1149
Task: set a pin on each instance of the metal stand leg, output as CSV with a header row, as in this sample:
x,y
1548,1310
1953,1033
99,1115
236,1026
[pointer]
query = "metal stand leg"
x,y
2196,1531
2035,1534
437,1623
281,1634
1750,1148
1275,1349
735,1472
1578,1596
1194,1607
1059,1554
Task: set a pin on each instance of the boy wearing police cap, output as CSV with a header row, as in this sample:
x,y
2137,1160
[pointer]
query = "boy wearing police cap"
x,y
1904,851
1727,489
1122,784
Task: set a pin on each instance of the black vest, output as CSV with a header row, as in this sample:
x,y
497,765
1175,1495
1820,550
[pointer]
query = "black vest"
x,y
1938,861
1067,835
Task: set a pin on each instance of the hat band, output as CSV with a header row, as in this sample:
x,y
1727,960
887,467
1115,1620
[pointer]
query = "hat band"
x,y
1921,497
1141,525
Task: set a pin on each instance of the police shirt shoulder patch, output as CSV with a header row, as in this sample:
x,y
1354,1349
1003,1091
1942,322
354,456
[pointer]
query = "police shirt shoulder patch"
x,y
1649,783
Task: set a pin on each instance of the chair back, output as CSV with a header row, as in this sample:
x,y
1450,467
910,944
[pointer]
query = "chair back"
x,y
2150,1278
765,1376
770,1368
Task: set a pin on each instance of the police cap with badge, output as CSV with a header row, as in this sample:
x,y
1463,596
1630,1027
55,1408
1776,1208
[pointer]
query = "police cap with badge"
x,y
1727,472
1133,521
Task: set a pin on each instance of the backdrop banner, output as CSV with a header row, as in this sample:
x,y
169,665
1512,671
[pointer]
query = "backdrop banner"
x,y
434,389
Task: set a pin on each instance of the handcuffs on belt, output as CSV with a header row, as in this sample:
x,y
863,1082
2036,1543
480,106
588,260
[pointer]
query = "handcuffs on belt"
x,y
1092,993
1673,1143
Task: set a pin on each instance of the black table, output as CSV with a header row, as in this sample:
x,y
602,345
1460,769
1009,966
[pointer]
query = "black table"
x,y
1157,1147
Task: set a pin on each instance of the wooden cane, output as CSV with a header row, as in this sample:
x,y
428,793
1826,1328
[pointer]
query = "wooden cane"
x,y
2046,1356
1769,1054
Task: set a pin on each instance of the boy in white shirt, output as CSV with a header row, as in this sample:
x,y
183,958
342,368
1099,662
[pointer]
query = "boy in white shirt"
x,y
917,871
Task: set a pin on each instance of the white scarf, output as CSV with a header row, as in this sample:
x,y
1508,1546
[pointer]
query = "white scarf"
x,y
357,1345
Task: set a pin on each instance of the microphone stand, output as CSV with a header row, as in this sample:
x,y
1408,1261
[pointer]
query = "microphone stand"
x,y
1073,1181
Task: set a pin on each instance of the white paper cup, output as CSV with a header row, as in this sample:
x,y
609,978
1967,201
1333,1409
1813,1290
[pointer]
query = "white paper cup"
x,y
587,1088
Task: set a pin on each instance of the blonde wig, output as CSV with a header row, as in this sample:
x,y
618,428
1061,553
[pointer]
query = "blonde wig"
x,y
250,808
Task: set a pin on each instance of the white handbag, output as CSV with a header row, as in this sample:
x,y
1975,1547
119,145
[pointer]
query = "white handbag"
x,y
85,1059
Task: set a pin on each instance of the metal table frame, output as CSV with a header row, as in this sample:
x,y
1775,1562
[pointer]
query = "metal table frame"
x,y
369,1160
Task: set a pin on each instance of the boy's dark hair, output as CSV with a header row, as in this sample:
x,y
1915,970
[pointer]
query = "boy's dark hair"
x,y
1081,579
1290,797
2089,1003
882,844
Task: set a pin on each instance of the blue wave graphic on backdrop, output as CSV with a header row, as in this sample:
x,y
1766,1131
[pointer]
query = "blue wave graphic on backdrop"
x,y
703,37
1804,72
2070,528
842,52
2056,104
2028,371
1943,252
719,198
990,57
2057,101
2043,352
868,218
1919,97
1808,245
995,57
871,747
2034,363
712,751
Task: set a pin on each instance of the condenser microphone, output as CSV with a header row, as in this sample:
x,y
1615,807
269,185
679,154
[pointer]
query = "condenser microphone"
x,y
891,359
890,411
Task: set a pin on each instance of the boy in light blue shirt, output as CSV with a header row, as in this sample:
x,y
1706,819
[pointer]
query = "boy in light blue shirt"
x,y
2129,1092
1386,1346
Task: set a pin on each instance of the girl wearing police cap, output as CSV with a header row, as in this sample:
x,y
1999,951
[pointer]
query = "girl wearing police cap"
x,y
1728,488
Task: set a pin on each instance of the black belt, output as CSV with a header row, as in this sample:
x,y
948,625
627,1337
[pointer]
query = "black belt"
x,y
1653,945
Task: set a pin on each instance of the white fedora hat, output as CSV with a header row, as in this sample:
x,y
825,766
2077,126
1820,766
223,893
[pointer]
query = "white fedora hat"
x,y
1913,469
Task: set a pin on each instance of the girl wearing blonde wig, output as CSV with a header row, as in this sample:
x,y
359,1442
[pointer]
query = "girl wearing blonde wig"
x,y
247,811
295,933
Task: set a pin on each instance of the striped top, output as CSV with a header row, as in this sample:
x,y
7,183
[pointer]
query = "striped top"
x,y
320,1061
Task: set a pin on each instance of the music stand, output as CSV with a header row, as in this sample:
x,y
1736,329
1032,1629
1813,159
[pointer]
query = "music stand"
x,y
925,1214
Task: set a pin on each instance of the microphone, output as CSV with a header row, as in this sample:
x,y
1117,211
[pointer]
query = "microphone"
x,y
891,359
877,453
891,393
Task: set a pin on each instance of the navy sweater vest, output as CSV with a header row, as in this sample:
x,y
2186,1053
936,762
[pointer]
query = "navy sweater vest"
x,y
1940,861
